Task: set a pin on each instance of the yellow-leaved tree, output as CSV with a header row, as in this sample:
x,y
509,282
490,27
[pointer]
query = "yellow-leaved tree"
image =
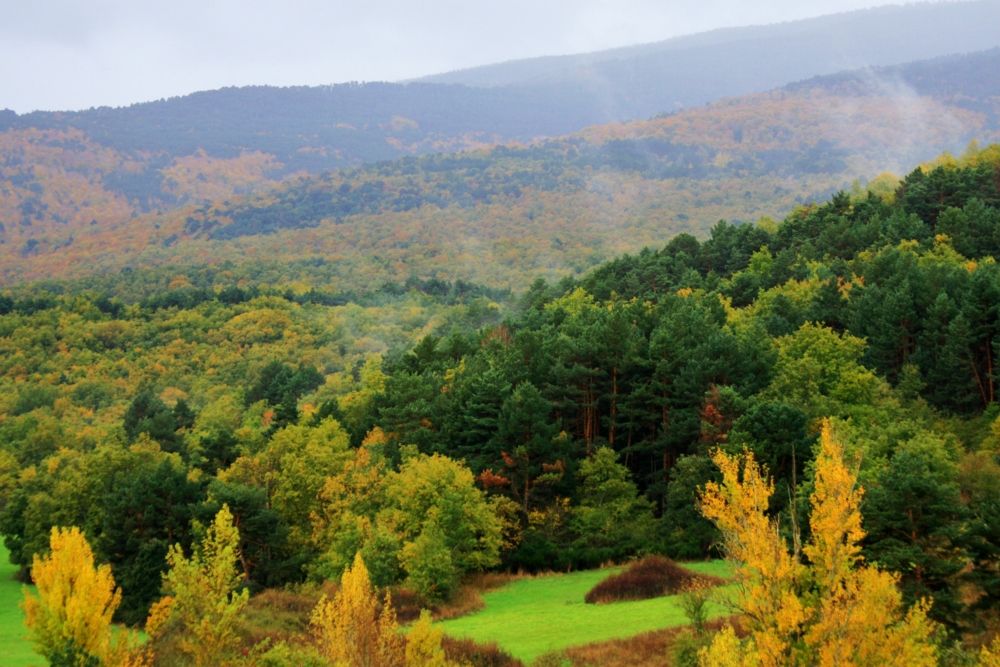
x,y
198,617
826,609
350,631
70,619
423,645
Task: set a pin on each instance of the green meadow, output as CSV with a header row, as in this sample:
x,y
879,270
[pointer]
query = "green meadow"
x,y
534,616
16,650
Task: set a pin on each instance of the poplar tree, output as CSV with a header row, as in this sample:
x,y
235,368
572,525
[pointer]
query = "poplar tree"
x,y
827,608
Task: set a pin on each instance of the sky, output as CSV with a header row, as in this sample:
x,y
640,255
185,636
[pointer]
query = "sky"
x,y
76,54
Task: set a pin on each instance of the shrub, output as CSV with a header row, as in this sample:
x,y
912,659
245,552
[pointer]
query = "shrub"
x,y
407,604
468,652
650,577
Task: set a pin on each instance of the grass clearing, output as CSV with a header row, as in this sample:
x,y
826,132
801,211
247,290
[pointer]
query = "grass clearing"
x,y
533,616
16,650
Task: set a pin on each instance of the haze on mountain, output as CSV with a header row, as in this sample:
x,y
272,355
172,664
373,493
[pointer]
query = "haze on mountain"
x,y
319,128
67,54
237,171
74,208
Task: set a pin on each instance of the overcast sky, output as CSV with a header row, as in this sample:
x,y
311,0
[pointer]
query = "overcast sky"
x,y
74,54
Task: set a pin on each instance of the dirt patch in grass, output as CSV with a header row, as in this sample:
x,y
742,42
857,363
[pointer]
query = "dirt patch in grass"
x,y
650,649
648,578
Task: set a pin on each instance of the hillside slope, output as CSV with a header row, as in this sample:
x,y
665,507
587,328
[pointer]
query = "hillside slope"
x,y
327,127
493,215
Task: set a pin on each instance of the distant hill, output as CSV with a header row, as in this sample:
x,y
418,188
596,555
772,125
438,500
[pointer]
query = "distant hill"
x,y
644,80
494,214
315,129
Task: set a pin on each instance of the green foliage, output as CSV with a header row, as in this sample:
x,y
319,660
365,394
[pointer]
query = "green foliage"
x,y
281,386
915,520
687,533
820,372
148,414
428,563
199,613
445,524
405,422
611,521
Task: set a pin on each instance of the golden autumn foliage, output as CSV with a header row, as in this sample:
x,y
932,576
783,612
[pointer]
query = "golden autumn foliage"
x,y
989,656
70,620
828,609
349,629
203,604
423,645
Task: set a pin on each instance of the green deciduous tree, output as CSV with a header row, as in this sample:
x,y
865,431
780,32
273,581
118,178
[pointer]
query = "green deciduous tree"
x,y
611,521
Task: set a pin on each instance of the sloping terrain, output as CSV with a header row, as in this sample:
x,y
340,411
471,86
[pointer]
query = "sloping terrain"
x,y
108,165
494,215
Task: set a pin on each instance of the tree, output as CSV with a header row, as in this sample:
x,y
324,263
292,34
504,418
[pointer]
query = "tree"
x,y
145,504
132,503
349,629
293,469
819,372
203,604
281,387
423,645
917,524
70,619
688,534
828,609
533,455
612,521
148,414
945,357
444,522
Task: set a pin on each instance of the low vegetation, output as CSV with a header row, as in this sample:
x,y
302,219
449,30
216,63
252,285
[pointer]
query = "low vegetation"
x,y
649,649
649,577
534,616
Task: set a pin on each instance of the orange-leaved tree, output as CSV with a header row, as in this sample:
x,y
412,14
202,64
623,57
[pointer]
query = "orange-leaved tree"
x,y
827,608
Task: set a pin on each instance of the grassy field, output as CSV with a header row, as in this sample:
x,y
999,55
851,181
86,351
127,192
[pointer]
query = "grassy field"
x,y
531,617
15,649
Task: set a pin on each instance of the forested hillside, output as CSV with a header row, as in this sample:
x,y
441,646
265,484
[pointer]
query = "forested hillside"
x,y
576,428
70,181
491,215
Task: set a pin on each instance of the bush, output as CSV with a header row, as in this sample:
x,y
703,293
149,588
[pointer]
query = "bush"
x,y
685,648
468,652
406,603
650,577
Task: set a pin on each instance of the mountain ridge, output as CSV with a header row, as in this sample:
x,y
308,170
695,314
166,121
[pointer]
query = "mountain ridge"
x,y
495,213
